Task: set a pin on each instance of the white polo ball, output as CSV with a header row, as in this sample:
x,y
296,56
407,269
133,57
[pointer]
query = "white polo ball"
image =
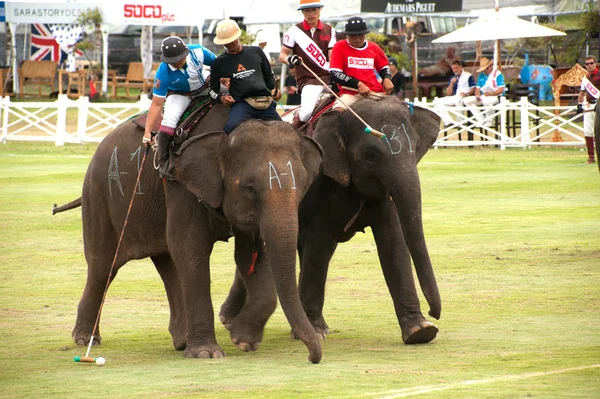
x,y
100,361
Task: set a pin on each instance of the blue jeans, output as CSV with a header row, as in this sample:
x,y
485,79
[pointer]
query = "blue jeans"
x,y
241,111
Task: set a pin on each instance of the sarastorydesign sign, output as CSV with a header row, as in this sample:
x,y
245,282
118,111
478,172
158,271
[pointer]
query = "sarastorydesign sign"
x,y
410,6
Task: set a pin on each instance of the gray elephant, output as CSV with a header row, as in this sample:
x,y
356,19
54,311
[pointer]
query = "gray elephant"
x,y
257,175
368,181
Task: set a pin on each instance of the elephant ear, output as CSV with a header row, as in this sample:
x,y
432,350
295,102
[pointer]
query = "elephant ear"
x,y
198,167
427,125
328,134
312,158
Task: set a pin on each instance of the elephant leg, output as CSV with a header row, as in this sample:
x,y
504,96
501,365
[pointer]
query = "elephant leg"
x,y
177,323
397,270
190,245
99,262
247,328
316,246
234,302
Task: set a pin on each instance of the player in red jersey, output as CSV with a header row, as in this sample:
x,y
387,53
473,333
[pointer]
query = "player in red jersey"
x,y
354,62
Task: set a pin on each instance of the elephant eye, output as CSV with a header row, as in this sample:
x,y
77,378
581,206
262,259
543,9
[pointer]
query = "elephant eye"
x,y
371,154
250,191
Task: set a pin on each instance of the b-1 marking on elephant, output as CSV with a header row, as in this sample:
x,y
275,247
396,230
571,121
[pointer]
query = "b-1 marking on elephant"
x,y
394,137
273,175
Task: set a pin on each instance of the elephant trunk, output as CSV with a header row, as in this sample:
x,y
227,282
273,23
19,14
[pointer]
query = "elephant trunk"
x,y
406,193
279,230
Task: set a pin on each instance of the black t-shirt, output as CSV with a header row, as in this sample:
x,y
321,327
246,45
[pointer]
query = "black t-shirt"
x,y
249,71
399,82
292,99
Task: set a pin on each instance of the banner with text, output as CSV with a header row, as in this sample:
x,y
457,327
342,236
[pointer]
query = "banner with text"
x,y
410,6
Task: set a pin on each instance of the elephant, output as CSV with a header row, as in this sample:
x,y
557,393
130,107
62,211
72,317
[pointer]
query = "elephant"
x,y
542,74
246,183
367,181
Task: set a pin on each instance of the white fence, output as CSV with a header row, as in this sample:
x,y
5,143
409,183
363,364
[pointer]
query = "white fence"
x,y
79,121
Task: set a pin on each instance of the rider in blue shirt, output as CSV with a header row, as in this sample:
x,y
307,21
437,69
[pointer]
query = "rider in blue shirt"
x,y
179,77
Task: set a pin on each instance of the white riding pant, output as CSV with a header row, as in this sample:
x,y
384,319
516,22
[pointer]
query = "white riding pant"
x,y
473,105
175,106
310,96
589,116
441,103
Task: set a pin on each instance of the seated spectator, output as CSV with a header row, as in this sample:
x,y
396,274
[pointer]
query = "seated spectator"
x,y
460,86
442,67
353,63
293,96
490,86
398,79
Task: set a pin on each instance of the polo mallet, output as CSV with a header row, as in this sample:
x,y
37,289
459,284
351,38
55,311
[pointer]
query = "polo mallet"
x,y
86,358
368,129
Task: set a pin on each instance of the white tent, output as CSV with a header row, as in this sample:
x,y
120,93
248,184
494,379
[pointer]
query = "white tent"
x,y
497,25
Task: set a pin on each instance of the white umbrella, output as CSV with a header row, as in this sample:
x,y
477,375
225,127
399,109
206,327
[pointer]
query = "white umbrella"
x,y
497,25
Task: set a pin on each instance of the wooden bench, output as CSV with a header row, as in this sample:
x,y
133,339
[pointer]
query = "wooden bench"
x,y
6,82
38,73
135,79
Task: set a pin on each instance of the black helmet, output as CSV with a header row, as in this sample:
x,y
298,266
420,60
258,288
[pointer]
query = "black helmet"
x,y
356,26
173,50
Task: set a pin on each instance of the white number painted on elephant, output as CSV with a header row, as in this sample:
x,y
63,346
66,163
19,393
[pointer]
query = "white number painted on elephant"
x,y
273,175
138,152
113,173
391,133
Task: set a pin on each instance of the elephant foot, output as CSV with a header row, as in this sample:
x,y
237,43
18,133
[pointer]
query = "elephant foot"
x,y
320,326
83,339
227,314
418,331
247,337
179,335
206,351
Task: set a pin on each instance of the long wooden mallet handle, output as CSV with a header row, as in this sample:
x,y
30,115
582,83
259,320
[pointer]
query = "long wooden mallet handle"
x,y
368,128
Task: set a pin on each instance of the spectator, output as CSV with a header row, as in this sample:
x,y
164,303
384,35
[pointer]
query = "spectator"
x,y
249,76
460,86
490,86
398,79
586,102
293,97
261,41
178,78
442,67
311,41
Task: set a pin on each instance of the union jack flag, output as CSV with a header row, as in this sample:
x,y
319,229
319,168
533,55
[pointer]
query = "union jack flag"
x,y
44,45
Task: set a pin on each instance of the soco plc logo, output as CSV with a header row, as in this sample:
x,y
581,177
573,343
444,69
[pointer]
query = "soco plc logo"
x,y
146,12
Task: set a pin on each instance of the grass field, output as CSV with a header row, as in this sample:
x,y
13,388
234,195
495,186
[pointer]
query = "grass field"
x,y
513,237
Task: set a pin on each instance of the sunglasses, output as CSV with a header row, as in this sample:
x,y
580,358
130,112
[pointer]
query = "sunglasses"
x,y
589,63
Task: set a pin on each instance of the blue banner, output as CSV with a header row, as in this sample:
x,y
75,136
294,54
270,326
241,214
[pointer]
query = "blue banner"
x,y
2,12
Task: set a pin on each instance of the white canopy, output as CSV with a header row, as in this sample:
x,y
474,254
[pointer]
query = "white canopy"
x,y
497,25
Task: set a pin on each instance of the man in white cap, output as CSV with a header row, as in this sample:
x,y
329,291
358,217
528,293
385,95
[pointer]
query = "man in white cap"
x,y
490,86
261,41
178,78
251,81
311,41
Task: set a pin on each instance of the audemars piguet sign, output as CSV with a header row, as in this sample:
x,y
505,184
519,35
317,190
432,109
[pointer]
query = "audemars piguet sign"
x,y
410,6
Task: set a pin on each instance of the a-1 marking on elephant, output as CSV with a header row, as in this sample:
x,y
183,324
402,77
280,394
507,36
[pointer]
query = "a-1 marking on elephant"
x,y
391,134
177,231
114,175
273,175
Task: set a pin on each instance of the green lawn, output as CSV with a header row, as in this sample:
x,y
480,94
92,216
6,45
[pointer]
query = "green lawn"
x,y
513,237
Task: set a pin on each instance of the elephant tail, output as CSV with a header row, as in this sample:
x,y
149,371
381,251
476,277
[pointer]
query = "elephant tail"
x,y
71,205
